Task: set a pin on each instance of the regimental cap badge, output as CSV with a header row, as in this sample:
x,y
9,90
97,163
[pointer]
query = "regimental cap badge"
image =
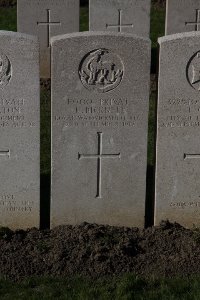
x,y
101,71
5,70
193,71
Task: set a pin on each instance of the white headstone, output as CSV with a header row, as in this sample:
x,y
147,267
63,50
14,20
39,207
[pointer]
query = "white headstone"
x,y
19,131
47,18
178,132
100,93
131,16
182,16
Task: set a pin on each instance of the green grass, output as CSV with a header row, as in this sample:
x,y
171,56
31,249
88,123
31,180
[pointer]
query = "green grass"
x,y
157,30
84,20
128,287
157,24
8,19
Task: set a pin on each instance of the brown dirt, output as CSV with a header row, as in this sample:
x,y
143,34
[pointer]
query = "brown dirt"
x,y
94,251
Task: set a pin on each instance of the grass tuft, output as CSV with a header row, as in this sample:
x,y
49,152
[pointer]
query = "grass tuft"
x,y
127,287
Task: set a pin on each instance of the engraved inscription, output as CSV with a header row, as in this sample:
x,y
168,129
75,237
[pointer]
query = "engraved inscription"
x,y
99,156
106,112
193,71
120,25
9,204
101,70
12,113
181,113
183,205
5,70
196,23
49,23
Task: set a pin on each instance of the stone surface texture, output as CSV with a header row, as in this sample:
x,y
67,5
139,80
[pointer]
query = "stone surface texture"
x,y
182,16
178,134
133,15
32,16
19,131
100,93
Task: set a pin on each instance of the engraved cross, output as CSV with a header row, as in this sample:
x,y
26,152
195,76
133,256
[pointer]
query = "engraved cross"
x,y
49,24
5,153
99,156
197,21
191,156
119,26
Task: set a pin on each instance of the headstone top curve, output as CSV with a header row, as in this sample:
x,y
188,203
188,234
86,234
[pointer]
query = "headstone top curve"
x,y
18,35
178,36
97,33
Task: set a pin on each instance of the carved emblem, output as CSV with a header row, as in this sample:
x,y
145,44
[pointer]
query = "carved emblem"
x,y
5,70
193,71
101,71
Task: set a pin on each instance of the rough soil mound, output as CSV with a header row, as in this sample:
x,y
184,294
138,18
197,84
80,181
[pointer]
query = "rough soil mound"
x,y
94,251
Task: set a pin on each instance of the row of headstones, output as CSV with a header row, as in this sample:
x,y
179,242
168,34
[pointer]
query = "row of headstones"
x,y
100,96
47,18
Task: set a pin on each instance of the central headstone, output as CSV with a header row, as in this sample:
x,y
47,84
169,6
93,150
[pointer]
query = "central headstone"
x,y
178,133
182,16
100,92
19,131
47,18
131,16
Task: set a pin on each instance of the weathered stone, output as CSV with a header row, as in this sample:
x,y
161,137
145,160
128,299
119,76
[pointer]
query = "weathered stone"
x,y
19,131
178,132
100,92
47,18
182,16
131,16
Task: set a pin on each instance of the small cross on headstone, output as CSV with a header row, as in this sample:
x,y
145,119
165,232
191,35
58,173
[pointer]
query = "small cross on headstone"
x,y
197,21
191,156
48,24
99,156
5,153
119,25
